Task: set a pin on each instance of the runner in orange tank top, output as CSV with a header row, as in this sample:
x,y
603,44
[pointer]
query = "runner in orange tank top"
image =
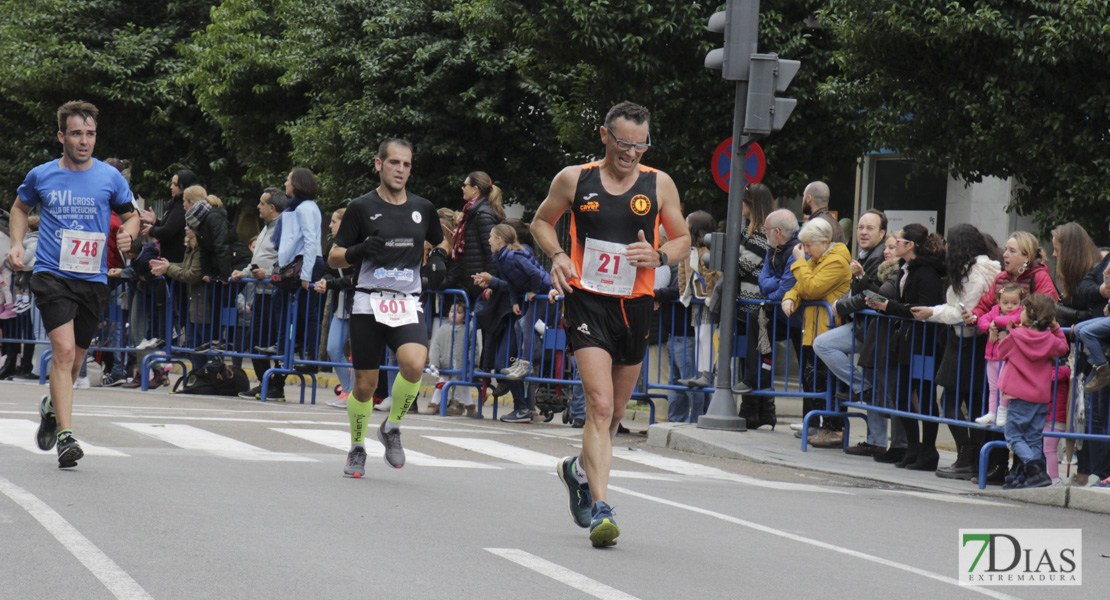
x,y
616,208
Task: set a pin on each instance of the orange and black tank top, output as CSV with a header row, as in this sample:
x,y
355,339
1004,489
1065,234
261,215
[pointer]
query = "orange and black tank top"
x,y
600,219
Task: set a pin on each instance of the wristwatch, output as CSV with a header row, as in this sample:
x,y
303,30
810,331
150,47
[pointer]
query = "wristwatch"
x,y
662,258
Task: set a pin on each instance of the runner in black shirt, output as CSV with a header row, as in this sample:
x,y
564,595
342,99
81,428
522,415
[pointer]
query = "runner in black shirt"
x,y
383,232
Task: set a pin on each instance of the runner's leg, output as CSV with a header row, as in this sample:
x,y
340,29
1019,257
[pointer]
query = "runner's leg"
x,y
411,358
65,365
596,368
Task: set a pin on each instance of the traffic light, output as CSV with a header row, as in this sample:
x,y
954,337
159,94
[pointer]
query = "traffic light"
x,y
739,22
715,260
769,74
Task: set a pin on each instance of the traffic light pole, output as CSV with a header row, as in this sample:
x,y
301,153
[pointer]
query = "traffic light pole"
x,y
722,413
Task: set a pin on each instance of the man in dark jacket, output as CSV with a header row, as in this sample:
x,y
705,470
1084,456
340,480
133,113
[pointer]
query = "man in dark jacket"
x,y
815,205
834,347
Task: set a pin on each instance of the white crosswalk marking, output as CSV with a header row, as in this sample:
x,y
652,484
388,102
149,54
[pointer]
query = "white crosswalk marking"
x,y
527,457
341,440
193,438
21,434
675,465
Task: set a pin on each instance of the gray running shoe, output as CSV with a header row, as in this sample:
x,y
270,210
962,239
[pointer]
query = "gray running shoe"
x,y
581,501
48,425
356,463
394,453
69,452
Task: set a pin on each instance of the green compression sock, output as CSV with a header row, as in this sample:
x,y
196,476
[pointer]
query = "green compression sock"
x,y
404,393
359,414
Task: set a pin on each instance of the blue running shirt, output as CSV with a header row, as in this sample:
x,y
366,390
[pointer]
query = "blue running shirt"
x,y
75,206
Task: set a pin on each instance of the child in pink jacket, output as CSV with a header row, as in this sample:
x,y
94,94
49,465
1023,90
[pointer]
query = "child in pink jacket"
x,y
1004,314
1027,380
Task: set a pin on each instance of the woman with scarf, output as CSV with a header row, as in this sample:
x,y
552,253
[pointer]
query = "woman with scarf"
x,y
471,253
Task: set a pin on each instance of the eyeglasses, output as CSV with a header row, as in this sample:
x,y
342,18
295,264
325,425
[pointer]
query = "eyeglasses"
x,y
468,184
623,145
901,241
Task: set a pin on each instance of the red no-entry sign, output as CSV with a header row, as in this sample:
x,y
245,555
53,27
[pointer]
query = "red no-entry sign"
x,y
754,165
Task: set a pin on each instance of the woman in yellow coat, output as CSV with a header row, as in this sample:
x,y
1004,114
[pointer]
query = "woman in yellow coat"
x,y
825,276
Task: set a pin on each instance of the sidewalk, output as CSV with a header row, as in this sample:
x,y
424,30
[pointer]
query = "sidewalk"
x,y
780,447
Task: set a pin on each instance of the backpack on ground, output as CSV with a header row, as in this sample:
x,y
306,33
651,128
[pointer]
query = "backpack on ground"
x,y
214,379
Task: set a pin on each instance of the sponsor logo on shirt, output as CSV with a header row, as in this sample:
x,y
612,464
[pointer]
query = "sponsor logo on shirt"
x,y
417,217
592,206
590,195
395,274
375,217
641,204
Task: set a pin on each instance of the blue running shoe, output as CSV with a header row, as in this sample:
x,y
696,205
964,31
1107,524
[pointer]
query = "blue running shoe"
x,y
47,435
603,528
580,499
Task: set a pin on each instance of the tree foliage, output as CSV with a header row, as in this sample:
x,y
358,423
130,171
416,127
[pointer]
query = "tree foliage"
x,y
985,88
582,56
120,55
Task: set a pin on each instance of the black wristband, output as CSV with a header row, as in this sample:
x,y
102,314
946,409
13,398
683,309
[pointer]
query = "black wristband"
x,y
353,255
557,254
662,258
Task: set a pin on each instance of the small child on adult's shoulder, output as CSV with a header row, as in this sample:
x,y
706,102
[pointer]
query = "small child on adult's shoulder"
x,y
447,351
1027,380
1004,314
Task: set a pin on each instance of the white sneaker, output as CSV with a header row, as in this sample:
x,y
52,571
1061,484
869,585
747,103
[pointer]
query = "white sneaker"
x,y
520,369
385,405
1002,416
81,383
796,426
146,343
986,420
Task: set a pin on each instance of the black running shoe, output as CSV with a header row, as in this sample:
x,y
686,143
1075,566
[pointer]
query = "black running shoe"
x,y
69,452
48,425
394,453
356,463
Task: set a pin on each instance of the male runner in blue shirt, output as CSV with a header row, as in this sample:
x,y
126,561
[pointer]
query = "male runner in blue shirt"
x,y
75,196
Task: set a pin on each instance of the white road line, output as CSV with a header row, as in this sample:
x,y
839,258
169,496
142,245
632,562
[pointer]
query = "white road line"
x,y
676,465
193,438
531,458
118,582
21,434
341,440
812,542
561,574
945,497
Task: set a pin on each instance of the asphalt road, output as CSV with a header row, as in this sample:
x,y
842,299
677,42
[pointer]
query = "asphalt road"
x,y
192,497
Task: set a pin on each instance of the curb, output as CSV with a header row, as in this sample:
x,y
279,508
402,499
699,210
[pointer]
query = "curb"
x,y
726,444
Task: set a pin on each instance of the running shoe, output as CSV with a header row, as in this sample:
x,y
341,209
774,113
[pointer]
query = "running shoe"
x,y
114,379
603,528
356,463
255,393
1102,485
48,425
580,499
82,383
69,452
394,453
340,402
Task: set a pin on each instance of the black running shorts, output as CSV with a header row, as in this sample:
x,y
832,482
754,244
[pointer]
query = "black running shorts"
x,y
617,325
61,300
370,338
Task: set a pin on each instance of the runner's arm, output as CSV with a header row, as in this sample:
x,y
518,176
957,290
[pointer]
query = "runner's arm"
x,y
130,225
17,227
678,243
559,198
